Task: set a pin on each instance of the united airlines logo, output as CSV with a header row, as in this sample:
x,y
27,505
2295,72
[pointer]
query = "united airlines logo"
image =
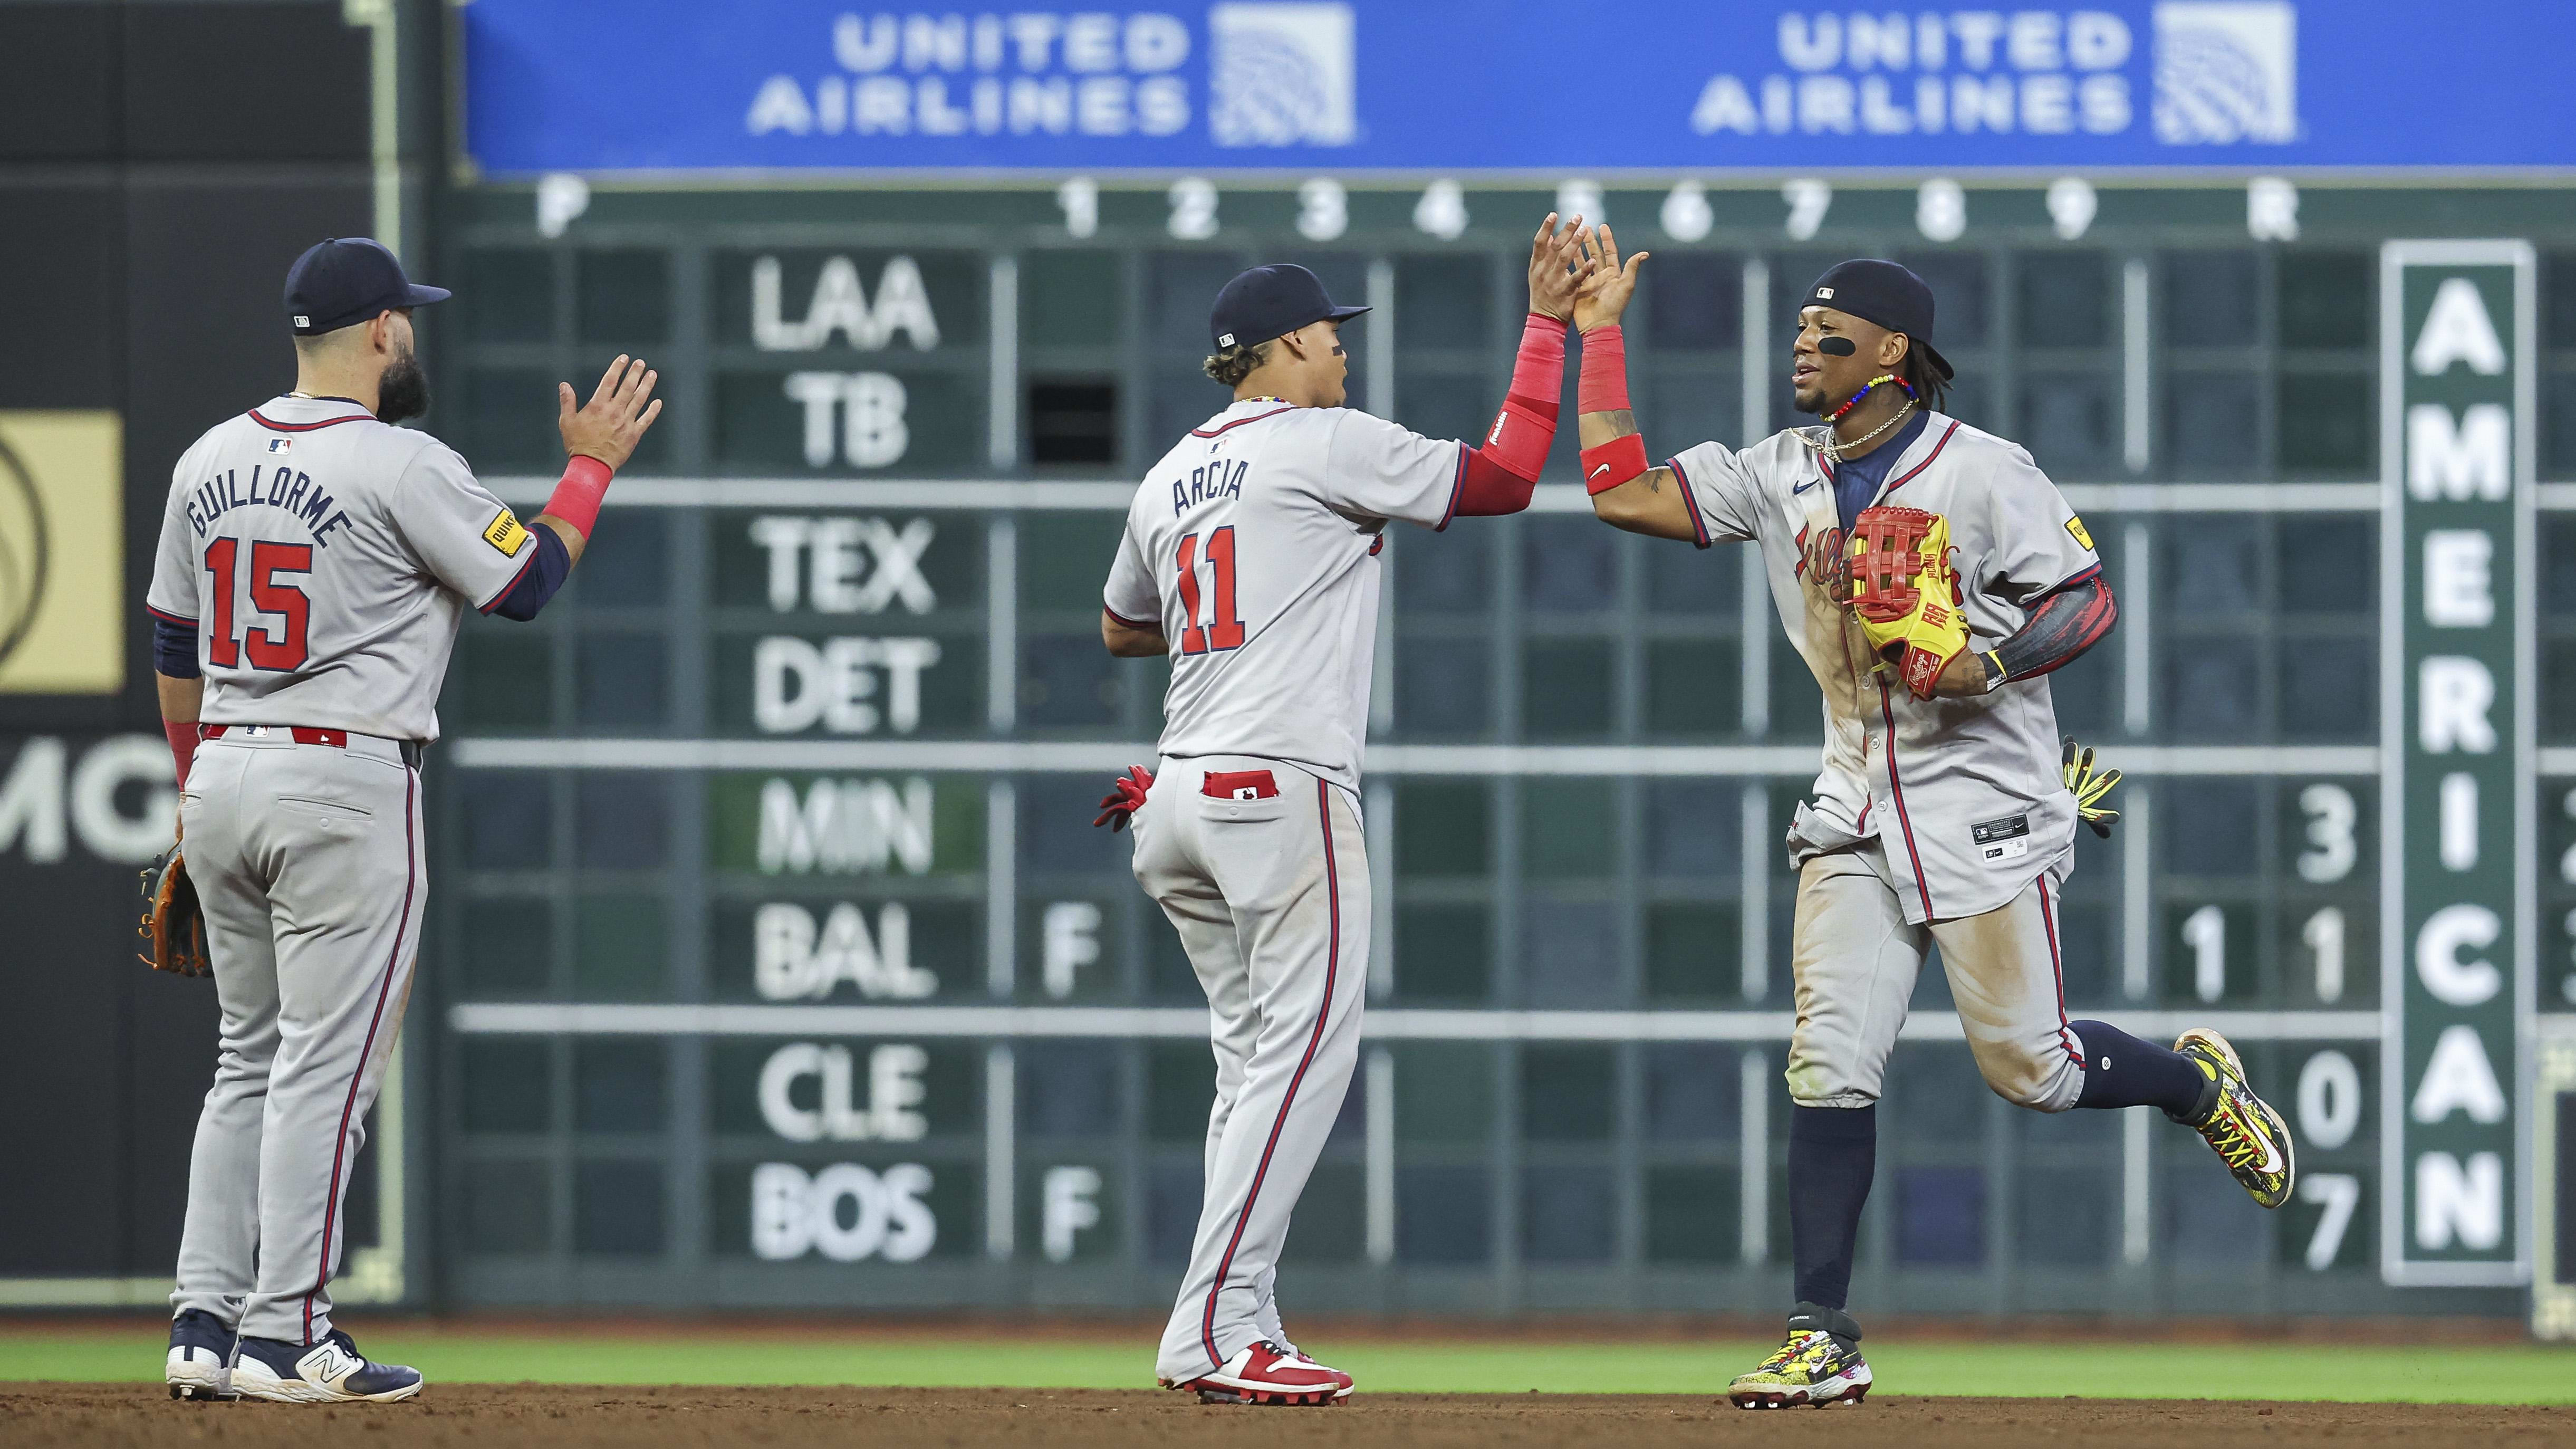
x,y
1281,75
2220,72
2227,71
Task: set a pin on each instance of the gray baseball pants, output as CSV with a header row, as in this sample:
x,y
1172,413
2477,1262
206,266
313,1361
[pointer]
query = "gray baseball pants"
x,y
1271,899
1855,960
308,860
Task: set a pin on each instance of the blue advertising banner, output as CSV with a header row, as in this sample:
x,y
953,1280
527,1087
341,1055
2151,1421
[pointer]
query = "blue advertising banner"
x,y
1450,86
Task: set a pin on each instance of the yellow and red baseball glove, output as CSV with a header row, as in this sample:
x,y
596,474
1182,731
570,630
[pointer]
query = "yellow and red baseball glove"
x,y
1905,592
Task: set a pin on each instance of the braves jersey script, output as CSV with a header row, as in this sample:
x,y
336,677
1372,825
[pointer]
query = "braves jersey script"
x,y
327,560
1964,793
1254,543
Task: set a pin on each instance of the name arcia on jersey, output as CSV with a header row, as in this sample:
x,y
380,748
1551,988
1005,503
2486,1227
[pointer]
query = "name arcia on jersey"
x,y
1209,482
284,488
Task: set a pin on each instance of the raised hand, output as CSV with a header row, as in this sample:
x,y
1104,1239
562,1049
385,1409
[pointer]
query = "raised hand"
x,y
1607,285
614,420
1557,267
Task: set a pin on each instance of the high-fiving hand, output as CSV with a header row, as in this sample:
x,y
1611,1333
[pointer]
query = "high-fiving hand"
x,y
1607,285
610,425
1557,267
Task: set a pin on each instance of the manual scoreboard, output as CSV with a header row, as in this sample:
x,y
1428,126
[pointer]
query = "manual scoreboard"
x,y
774,960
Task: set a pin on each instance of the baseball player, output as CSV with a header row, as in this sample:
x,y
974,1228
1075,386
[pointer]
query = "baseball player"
x,y
315,563
1251,558
1931,576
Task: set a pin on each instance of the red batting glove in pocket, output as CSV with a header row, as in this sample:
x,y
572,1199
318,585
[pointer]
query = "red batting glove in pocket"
x,y
1240,785
1126,795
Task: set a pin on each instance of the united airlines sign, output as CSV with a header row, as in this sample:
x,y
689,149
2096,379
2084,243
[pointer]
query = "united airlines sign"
x,y
1434,86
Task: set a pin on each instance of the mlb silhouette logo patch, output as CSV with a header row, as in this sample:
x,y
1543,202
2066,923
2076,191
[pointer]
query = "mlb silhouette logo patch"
x,y
281,445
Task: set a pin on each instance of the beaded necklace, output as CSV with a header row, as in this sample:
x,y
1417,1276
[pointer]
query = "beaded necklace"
x,y
1261,399
1826,444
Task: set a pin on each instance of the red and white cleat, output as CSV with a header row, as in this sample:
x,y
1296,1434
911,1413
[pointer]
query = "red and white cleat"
x,y
1265,1373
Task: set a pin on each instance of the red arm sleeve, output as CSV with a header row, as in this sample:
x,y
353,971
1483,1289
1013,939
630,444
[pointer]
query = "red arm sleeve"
x,y
1498,477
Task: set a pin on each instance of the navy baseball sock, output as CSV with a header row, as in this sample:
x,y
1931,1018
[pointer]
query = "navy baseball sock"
x,y
1832,1153
2122,1071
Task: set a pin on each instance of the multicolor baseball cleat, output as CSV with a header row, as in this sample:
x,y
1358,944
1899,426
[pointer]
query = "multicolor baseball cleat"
x,y
2239,1126
1815,1367
329,1372
1263,1372
200,1345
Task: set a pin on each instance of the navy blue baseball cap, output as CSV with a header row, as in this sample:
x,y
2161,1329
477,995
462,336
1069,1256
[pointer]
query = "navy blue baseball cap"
x,y
1271,301
342,281
1885,293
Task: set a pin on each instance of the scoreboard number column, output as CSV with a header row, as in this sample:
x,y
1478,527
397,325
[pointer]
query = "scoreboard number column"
x,y
2458,726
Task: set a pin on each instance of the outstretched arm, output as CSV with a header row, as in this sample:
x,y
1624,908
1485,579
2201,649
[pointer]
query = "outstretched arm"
x,y
598,438
1625,492
1499,476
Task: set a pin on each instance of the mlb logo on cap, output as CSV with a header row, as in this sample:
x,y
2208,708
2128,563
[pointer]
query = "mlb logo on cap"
x,y
1824,291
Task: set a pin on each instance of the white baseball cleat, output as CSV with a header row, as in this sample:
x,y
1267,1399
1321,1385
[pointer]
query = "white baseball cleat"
x,y
329,1372
199,1346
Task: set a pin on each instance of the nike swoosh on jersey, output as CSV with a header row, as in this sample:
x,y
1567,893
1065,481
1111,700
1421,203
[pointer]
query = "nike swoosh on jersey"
x,y
1803,487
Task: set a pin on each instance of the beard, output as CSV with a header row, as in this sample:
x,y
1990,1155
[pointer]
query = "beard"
x,y
1808,401
403,391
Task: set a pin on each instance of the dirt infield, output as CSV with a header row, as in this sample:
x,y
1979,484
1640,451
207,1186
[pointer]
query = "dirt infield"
x,y
505,1416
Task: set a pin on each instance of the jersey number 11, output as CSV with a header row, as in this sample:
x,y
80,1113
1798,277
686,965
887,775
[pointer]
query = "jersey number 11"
x,y
1224,628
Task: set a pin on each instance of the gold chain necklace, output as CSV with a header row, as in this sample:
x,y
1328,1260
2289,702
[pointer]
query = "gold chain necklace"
x,y
1827,445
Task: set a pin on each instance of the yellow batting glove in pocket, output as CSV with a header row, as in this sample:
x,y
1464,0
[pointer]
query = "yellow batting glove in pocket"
x,y
2089,788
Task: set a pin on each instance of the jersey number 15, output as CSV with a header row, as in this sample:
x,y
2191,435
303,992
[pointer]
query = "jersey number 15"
x,y
282,648
1224,628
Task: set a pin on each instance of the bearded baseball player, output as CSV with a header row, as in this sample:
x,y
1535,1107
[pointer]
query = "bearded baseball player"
x,y
315,564
1251,558
1931,576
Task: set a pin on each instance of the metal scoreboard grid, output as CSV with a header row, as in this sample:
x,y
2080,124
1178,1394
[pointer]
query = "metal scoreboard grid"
x,y
774,961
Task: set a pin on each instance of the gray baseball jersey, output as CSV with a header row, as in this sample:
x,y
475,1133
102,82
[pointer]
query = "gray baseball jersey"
x,y
1964,794
327,560
1254,544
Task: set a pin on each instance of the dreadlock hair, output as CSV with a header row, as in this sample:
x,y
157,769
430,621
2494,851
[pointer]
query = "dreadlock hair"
x,y
1931,392
1231,365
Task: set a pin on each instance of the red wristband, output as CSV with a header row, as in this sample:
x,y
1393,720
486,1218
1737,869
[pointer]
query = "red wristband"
x,y
1613,463
183,745
577,498
1604,388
